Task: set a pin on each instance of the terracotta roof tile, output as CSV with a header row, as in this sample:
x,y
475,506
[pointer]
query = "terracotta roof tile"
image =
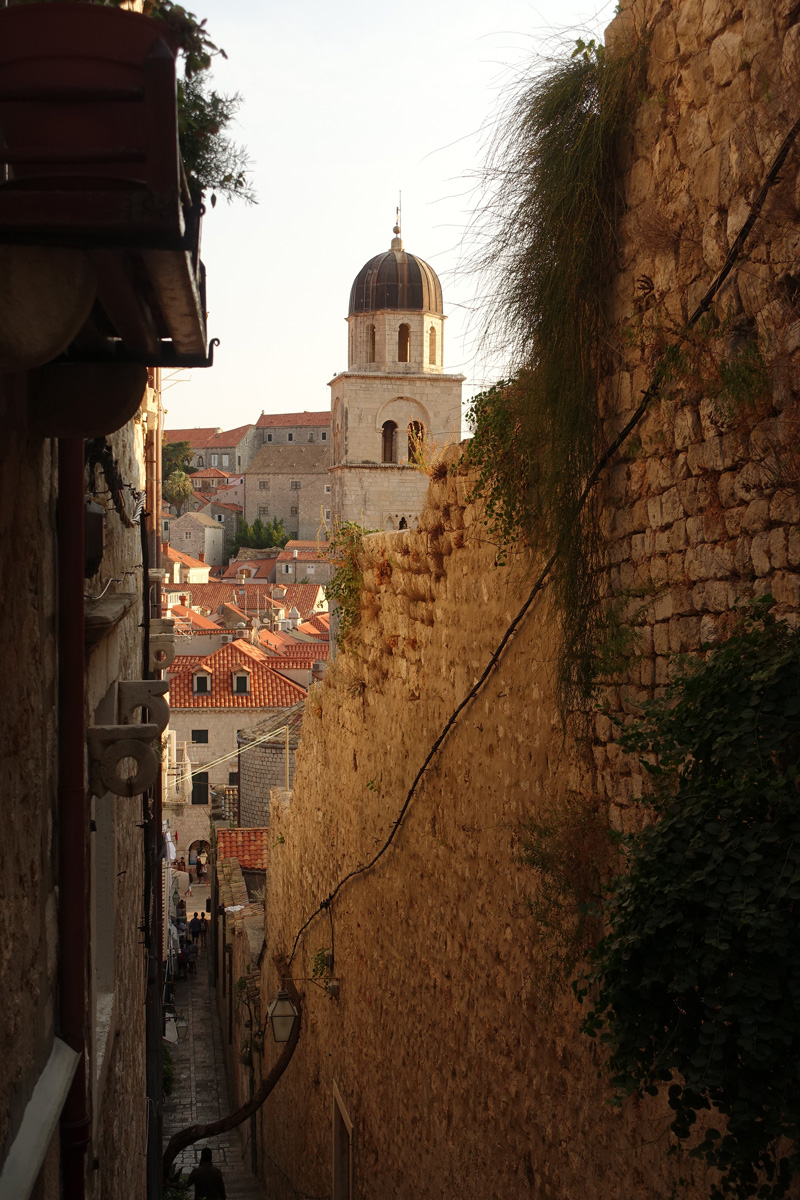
x,y
278,420
209,473
268,689
186,559
250,846
197,438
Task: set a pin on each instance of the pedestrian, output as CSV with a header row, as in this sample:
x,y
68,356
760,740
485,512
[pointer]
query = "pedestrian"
x,y
192,862
194,926
207,1179
203,929
182,865
191,952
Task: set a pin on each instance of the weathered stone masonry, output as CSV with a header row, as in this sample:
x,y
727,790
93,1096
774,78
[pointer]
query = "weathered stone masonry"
x,y
460,1075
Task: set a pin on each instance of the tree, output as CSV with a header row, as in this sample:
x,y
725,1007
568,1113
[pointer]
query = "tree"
x,y
176,456
258,536
177,489
697,977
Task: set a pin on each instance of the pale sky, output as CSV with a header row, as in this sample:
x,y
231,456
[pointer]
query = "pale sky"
x,y
344,106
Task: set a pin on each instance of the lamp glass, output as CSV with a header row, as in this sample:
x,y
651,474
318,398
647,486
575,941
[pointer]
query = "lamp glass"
x,y
282,1015
181,1026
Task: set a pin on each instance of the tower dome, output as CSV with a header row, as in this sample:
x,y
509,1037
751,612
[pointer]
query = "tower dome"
x,y
396,279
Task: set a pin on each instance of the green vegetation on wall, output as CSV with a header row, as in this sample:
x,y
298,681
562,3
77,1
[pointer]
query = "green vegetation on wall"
x,y
550,248
695,986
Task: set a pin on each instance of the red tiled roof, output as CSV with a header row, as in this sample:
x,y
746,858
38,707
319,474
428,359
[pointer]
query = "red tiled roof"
x,y
288,555
302,596
250,846
225,504
294,662
281,644
260,567
273,420
197,438
268,689
209,473
228,437
186,559
317,625
238,612
195,618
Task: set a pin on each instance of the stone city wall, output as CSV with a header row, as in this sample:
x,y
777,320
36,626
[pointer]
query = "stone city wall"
x,y
454,1047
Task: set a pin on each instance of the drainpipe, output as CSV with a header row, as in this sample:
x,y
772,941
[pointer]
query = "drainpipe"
x,y
72,809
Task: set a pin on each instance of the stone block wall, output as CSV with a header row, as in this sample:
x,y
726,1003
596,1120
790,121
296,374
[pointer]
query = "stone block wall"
x,y
453,1044
262,769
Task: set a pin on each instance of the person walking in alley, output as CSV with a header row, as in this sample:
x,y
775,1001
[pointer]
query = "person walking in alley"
x,y
207,1179
194,927
191,952
203,929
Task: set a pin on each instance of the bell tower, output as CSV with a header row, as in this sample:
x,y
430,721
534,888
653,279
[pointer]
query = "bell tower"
x,y
394,396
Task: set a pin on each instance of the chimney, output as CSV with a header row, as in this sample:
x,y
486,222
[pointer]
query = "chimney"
x,y
184,600
201,557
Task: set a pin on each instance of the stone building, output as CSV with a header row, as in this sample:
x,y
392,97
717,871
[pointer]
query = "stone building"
x,y
199,536
101,280
263,763
289,482
394,402
211,698
294,428
451,1058
229,450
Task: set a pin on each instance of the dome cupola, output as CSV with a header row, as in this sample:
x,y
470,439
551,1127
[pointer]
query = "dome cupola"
x,y
396,280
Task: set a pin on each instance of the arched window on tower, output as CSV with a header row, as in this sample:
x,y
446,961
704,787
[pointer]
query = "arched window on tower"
x,y
403,523
389,442
432,347
201,462
404,344
416,437
371,349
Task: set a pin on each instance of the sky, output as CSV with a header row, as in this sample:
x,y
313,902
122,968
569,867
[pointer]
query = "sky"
x,y
344,107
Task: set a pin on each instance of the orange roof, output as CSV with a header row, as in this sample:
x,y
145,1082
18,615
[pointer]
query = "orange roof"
x,y
288,555
281,644
195,618
318,625
250,846
228,437
209,473
258,567
186,559
268,689
273,420
197,438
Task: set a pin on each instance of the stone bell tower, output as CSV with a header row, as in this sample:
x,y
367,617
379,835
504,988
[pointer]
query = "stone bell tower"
x,y
393,393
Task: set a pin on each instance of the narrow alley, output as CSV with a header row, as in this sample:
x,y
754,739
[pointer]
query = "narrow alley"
x,y
200,1092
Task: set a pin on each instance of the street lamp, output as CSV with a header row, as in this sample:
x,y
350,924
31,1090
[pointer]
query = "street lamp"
x,y
282,1015
181,1026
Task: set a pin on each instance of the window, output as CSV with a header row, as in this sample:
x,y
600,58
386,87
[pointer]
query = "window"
x,y
323,436
389,442
310,569
403,523
294,511
404,344
200,737
263,485
342,1149
226,458
371,354
200,461
219,518
432,347
200,788
327,514
201,685
263,511
239,460
287,568
295,485
311,437
290,437
241,684
214,460
233,779
327,489
187,537
269,437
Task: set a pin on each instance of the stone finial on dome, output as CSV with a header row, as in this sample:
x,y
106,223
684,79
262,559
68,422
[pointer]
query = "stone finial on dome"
x,y
397,241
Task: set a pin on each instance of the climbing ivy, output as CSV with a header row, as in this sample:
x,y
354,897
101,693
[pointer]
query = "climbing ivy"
x,y
695,985
344,552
